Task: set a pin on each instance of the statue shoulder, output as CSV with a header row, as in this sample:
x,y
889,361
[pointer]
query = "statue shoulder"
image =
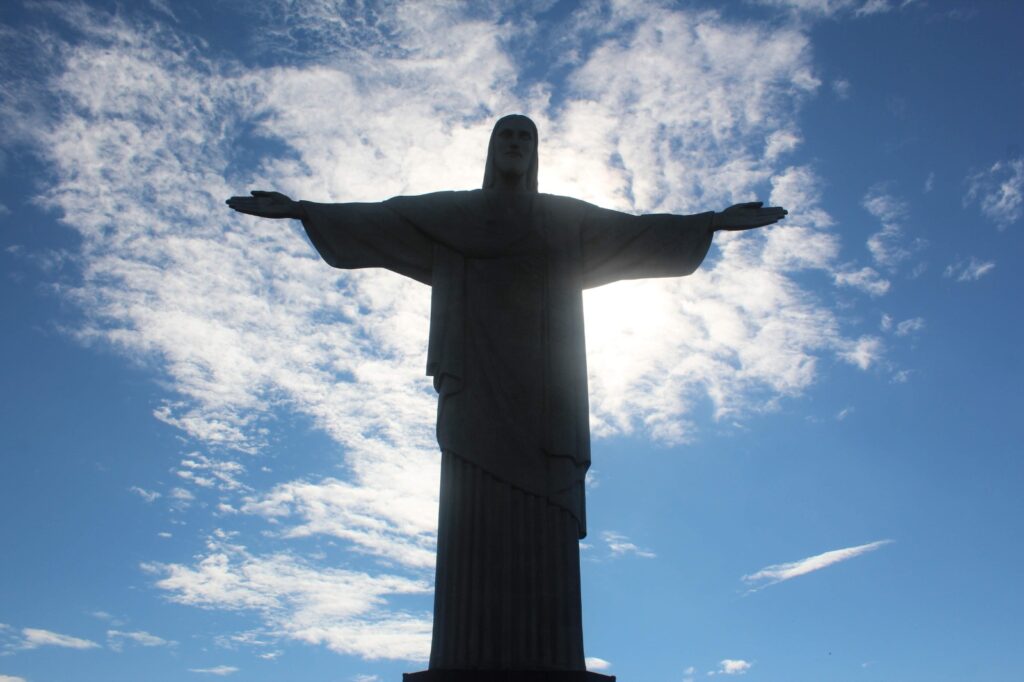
x,y
567,207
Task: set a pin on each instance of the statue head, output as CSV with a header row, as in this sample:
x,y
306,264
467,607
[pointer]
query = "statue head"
x,y
512,153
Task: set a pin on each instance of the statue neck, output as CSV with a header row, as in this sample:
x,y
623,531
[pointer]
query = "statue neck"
x,y
510,182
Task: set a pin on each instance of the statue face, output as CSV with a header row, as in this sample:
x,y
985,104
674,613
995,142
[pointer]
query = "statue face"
x,y
514,147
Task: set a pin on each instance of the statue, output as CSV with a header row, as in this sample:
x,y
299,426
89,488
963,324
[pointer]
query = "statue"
x,y
507,267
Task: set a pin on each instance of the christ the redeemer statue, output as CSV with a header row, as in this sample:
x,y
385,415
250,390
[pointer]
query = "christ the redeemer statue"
x,y
507,267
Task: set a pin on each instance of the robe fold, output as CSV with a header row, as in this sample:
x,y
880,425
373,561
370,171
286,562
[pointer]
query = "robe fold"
x,y
508,360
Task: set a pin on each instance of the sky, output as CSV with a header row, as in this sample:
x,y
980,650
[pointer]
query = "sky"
x,y
216,452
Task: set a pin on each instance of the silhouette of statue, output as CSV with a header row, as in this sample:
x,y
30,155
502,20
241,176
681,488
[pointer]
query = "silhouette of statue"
x,y
507,266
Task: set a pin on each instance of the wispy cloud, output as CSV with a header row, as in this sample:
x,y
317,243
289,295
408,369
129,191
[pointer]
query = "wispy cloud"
x,y
841,87
776,573
11,678
220,670
620,545
732,666
595,663
904,328
866,279
347,611
998,191
147,495
832,8
889,246
911,326
208,473
380,522
33,638
116,639
182,498
969,270
864,352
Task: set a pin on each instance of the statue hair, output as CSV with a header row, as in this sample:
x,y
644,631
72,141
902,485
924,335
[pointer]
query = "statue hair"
x,y
491,173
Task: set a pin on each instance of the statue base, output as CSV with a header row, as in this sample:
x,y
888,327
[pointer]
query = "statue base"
x,y
441,675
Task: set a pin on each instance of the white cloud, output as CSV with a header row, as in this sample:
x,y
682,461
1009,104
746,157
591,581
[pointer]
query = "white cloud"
x,y
781,142
220,473
884,206
346,611
831,8
929,182
799,189
907,327
116,639
866,279
619,545
379,521
820,7
182,495
874,7
33,638
11,678
595,663
147,495
970,270
999,192
366,678
731,666
841,87
220,670
863,352
776,573
889,246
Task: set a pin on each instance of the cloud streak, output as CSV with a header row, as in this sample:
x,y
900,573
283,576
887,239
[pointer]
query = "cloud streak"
x,y
220,670
116,639
34,638
619,545
777,573
970,270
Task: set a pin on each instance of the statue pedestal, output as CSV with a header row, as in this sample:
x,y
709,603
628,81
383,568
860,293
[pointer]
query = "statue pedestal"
x,y
506,676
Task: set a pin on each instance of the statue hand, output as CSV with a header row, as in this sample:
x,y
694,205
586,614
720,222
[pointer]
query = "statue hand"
x,y
266,205
747,216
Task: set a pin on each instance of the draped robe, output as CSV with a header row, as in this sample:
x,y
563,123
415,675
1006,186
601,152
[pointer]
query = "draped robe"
x,y
507,356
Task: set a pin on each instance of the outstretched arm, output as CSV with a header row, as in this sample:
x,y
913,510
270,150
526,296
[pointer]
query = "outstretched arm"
x,y
352,235
267,205
747,216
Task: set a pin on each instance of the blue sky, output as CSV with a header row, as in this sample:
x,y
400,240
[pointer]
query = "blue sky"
x,y
217,452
